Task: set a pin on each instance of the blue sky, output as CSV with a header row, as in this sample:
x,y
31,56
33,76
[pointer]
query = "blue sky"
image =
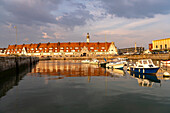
x,y
121,21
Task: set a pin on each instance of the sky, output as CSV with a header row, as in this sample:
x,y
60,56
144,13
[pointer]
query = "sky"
x,y
121,21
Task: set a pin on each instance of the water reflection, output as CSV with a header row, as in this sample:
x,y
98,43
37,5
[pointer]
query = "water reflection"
x,y
67,90
11,78
145,80
54,70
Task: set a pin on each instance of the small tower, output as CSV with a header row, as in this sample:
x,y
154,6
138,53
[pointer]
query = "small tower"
x,y
135,48
88,38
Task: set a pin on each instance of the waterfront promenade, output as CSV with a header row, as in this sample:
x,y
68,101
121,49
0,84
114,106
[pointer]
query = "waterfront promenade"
x,y
108,57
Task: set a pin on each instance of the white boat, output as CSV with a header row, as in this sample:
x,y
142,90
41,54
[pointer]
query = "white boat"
x,y
144,66
117,63
85,61
94,61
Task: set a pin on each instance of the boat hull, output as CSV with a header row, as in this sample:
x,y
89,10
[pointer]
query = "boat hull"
x,y
144,70
85,62
115,66
94,63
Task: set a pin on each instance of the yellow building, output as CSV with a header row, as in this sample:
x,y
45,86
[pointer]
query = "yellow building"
x,y
162,44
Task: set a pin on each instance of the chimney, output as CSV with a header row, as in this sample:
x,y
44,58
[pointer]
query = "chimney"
x,y
88,38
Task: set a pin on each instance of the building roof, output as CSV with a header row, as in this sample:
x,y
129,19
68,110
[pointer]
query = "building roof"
x,y
162,39
59,45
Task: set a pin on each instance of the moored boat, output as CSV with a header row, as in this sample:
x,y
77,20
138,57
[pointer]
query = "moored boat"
x,y
85,61
117,63
94,61
144,66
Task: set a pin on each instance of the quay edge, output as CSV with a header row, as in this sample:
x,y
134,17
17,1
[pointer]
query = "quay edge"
x,y
10,62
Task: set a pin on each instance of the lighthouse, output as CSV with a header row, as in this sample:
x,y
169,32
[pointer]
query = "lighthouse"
x,y
88,38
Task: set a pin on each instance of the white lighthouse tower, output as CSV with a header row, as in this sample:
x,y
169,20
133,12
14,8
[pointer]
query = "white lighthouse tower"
x,y
88,38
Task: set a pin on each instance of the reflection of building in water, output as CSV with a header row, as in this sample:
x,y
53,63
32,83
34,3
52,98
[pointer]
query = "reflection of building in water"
x,y
67,69
145,80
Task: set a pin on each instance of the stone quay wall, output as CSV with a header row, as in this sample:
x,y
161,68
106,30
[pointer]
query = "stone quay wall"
x,y
15,62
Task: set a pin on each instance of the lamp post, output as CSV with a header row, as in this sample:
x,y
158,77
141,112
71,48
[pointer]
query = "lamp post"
x,y
16,33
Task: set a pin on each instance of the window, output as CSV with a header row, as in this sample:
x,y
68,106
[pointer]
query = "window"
x,y
56,48
37,51
61,50
160,46
32,48
140,62
50,48
76,47
40,49
70,47
156,46
96,50
144,62
72,50
67,48
103,47
91,47
61,47
165,46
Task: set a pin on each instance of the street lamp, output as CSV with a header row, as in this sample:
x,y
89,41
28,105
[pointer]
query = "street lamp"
x,y
16,33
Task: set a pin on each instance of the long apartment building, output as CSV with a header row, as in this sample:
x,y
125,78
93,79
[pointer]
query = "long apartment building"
x,y
64,48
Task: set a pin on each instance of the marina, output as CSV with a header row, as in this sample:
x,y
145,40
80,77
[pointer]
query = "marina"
x,y
71,86
84,56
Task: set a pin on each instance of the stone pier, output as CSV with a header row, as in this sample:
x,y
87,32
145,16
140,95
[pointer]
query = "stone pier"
x,y
7,63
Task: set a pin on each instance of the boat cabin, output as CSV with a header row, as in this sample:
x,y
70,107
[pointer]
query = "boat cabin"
x,y
147,63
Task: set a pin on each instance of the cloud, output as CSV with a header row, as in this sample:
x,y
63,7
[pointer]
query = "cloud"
x,y
26,39
65,13
73,19
45,36
30,11
136,8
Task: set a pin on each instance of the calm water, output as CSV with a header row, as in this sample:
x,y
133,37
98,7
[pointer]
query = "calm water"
x,y
72,87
